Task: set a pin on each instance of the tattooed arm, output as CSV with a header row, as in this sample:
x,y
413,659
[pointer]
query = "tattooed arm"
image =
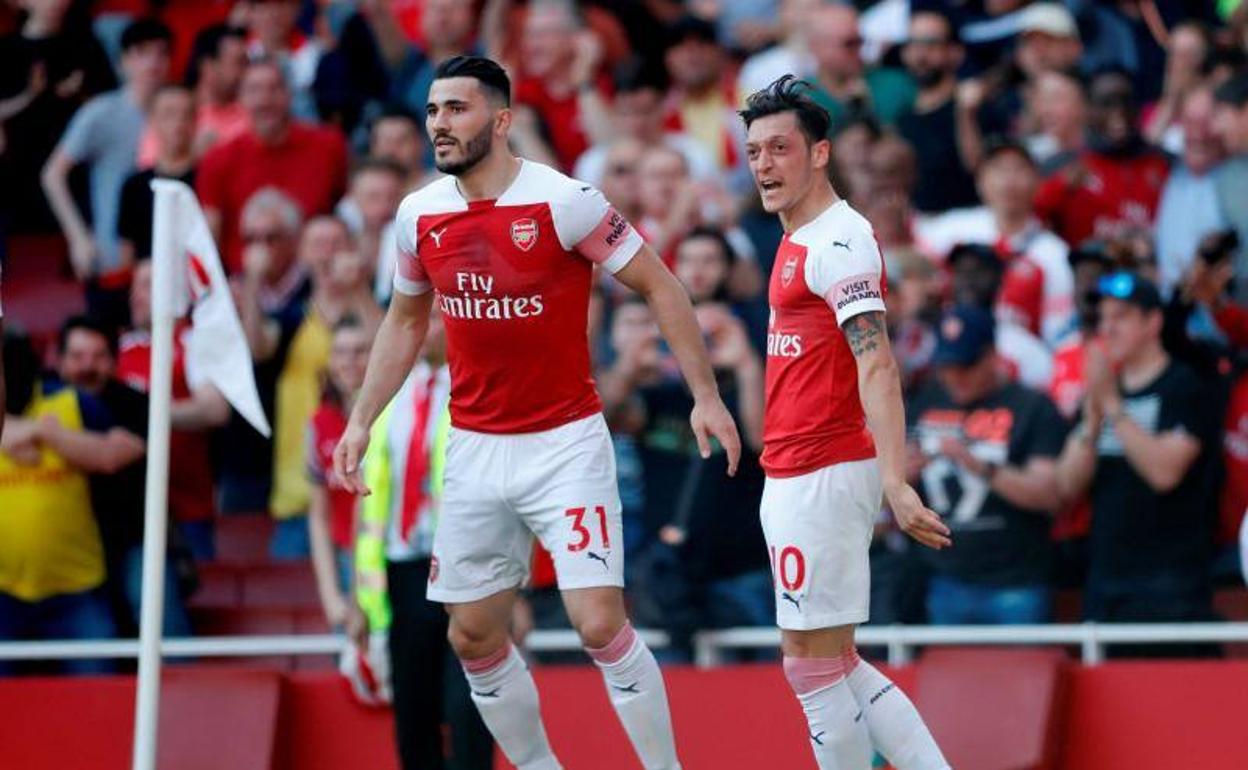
x,y
879,389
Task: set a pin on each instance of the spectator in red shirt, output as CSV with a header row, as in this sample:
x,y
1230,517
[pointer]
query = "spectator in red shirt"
x,y
331,515
1115,185
198,407
558,85
308,163
215,72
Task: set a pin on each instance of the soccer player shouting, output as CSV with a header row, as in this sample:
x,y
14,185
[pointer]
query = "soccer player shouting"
x,y
506,247
833,440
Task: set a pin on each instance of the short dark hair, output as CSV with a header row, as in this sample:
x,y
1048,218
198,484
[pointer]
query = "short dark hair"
x,y
145,31
1234,91
788,94
717,235
637,73
87,324
397,111
690,27
207,45
492,77
951,27
384,165
996,146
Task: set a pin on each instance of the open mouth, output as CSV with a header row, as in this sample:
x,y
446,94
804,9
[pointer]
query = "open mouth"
x,y
767,185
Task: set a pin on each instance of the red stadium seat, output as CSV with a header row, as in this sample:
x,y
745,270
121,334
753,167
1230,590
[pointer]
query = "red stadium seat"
x,y
282,584
216,718
219,586
312,621
243,538
994,709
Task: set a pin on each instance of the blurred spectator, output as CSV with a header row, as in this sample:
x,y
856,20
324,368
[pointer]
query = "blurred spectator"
x,y
744,25
984,452
274,35
1231,126
48,69
705,565
853,172
790,54
214,74
915,293
114,458
935,126
1059,105
396,136
1141,451
977,275
1048,40
884,192
702,102
1189,209
332,509
272,291
341,285
637,113
197,408
672,204
1037,288
559,109
1114,185
104,136
51,556
620,180
372,199
172,121
1187,50
447,30
843,83
308,163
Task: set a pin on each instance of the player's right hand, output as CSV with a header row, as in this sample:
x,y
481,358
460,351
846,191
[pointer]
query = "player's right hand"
x,y
347,457
713,419
916,519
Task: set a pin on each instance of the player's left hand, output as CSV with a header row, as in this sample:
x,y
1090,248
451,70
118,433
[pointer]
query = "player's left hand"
x,y
711,418
915,518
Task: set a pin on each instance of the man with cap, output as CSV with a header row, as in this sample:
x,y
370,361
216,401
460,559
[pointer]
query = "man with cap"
x,y
1141,453
983,452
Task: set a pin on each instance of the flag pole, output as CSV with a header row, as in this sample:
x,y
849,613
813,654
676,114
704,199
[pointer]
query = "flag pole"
x,y
164,255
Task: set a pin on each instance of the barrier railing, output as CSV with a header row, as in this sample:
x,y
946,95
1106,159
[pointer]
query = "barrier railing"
x,y
900,641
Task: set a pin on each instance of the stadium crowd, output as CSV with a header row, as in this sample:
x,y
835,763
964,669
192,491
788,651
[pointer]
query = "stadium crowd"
x,y
1060,192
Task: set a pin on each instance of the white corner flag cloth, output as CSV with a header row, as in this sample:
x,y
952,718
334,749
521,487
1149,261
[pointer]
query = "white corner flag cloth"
x,y
218,345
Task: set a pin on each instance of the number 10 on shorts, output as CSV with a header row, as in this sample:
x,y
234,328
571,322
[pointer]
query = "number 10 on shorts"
x,y
582,533
789,569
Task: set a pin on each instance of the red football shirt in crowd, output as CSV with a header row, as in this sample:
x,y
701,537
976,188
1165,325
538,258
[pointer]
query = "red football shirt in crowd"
x,y
328,424
1108,195
560,116
309,165
191,491
1067,391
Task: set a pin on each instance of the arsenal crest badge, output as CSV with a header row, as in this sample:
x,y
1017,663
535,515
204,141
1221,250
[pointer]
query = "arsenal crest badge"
x,y
524,233
788,271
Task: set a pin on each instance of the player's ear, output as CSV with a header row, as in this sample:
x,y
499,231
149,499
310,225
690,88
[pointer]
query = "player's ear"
x,y
502,121
821,153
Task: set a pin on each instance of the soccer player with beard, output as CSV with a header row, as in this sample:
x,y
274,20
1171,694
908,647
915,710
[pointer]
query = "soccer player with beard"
x,y
833,440
507,247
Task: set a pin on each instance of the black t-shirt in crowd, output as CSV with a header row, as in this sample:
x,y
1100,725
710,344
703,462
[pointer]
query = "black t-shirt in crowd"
x,y
134,217
1138,534
995,542
942,181
118,497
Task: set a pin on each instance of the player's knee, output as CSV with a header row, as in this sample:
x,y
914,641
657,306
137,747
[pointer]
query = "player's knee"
x,y
598,632
472,643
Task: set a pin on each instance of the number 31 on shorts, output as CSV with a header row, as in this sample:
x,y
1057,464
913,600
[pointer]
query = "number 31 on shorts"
x,y
582,535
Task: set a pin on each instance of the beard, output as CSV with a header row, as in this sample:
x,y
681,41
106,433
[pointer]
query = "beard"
x,y
928,78
477,148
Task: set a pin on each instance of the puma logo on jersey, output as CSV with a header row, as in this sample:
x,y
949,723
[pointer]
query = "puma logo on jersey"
x,y
491,694
631,688
843,244
436,235
602,559
789,598
818,737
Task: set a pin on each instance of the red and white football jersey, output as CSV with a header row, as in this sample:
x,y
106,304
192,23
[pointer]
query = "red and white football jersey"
x,y
826,272
512,277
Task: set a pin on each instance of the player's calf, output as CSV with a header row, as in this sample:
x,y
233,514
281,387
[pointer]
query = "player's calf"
x,y
838,735
893,722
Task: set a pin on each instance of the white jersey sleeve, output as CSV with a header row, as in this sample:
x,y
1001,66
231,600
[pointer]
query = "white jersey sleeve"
x,y
409,274
590,226
844,266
